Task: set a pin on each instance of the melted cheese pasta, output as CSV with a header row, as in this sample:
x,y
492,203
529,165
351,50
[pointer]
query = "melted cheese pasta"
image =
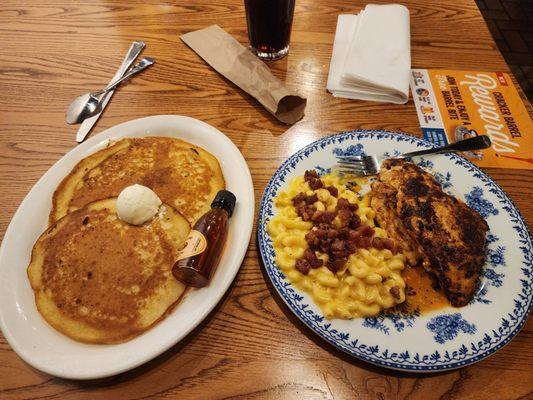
x,y
371,279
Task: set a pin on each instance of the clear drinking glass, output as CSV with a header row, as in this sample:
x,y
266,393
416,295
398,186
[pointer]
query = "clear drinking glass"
x,y
269,27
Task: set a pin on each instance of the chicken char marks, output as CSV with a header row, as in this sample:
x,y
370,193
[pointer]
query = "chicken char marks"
x,y
447,236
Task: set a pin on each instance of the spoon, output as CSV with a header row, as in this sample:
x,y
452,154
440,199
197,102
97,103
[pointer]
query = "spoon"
x,y
90,104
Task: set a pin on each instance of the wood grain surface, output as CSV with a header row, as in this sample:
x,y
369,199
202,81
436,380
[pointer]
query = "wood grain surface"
x,y
250,346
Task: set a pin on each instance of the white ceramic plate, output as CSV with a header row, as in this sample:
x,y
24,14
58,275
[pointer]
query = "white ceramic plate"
x,y
50,351
444,339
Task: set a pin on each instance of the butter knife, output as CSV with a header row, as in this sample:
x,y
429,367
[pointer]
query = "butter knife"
x,y
86,126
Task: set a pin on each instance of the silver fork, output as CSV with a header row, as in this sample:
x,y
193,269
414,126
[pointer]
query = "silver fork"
x,y
371,165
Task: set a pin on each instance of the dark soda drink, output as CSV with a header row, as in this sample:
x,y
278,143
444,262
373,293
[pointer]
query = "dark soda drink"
x,y
269,27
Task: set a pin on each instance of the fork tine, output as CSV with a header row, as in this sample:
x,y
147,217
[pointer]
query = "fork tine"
x,y
354,172
357,172
351,159
353,169
351,163
350,156
358,165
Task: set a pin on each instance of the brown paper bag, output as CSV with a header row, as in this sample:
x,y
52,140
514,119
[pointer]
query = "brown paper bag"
x,y
235,62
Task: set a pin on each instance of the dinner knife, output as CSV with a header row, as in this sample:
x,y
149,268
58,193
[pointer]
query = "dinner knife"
x,y
135,49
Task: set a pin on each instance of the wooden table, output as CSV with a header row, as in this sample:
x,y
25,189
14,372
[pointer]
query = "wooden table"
x,y
251,346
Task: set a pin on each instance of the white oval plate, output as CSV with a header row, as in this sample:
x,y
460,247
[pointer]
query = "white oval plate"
x,y
444,339
48,350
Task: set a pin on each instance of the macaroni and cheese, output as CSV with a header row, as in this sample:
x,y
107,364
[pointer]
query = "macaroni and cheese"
x,y
367,281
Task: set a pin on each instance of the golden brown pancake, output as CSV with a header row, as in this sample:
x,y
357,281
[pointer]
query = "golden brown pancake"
x,y
181,174
98,279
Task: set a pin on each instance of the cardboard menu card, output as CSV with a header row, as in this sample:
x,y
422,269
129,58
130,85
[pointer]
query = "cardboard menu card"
x,y
454,105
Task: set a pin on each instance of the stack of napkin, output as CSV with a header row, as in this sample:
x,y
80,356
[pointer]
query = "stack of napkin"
x,y
371,57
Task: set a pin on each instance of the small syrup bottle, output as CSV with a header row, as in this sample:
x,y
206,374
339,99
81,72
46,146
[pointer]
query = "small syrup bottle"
x,y
203,248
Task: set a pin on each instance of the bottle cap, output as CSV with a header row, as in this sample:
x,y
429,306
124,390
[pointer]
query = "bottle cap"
x,y
226,200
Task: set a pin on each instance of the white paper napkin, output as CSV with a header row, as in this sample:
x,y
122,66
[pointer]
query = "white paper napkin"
x,y
371,56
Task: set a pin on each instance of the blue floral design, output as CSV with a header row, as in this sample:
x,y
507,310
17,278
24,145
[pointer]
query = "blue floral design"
x,y
443,180
491,238
489,278
376,323
352,150
399,320
321,170
495,258
475,200
480,296
426,164
447,327
395,153
509,323
402,320
494,278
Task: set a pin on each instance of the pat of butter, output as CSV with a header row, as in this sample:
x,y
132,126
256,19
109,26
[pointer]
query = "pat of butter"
x,y
137,204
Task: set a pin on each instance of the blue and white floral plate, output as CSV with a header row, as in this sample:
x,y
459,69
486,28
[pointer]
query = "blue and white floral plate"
x,y
446,338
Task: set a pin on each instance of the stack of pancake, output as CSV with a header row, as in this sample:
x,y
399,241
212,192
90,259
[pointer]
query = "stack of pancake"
x,y
99,279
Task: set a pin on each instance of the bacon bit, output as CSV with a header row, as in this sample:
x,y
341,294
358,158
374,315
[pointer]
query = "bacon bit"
x,y
309,254
336,264
317,216
332,233
322,231
305,211
355,221
377,242
338,242
364,242
333,191
316,263
354,235
324,246
395,291
311,199
345,216
383,243
312,238
343,204
329,216
388,244
310,174
312,259
309,214
312,178
338,245
344,232
351,247
316,184
298,199
303,266
366,231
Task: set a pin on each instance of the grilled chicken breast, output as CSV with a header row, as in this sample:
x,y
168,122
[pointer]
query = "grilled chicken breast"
x,y
445,234
384,203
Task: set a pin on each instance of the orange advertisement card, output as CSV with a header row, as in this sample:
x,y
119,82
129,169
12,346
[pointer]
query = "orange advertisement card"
x,y
453,105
